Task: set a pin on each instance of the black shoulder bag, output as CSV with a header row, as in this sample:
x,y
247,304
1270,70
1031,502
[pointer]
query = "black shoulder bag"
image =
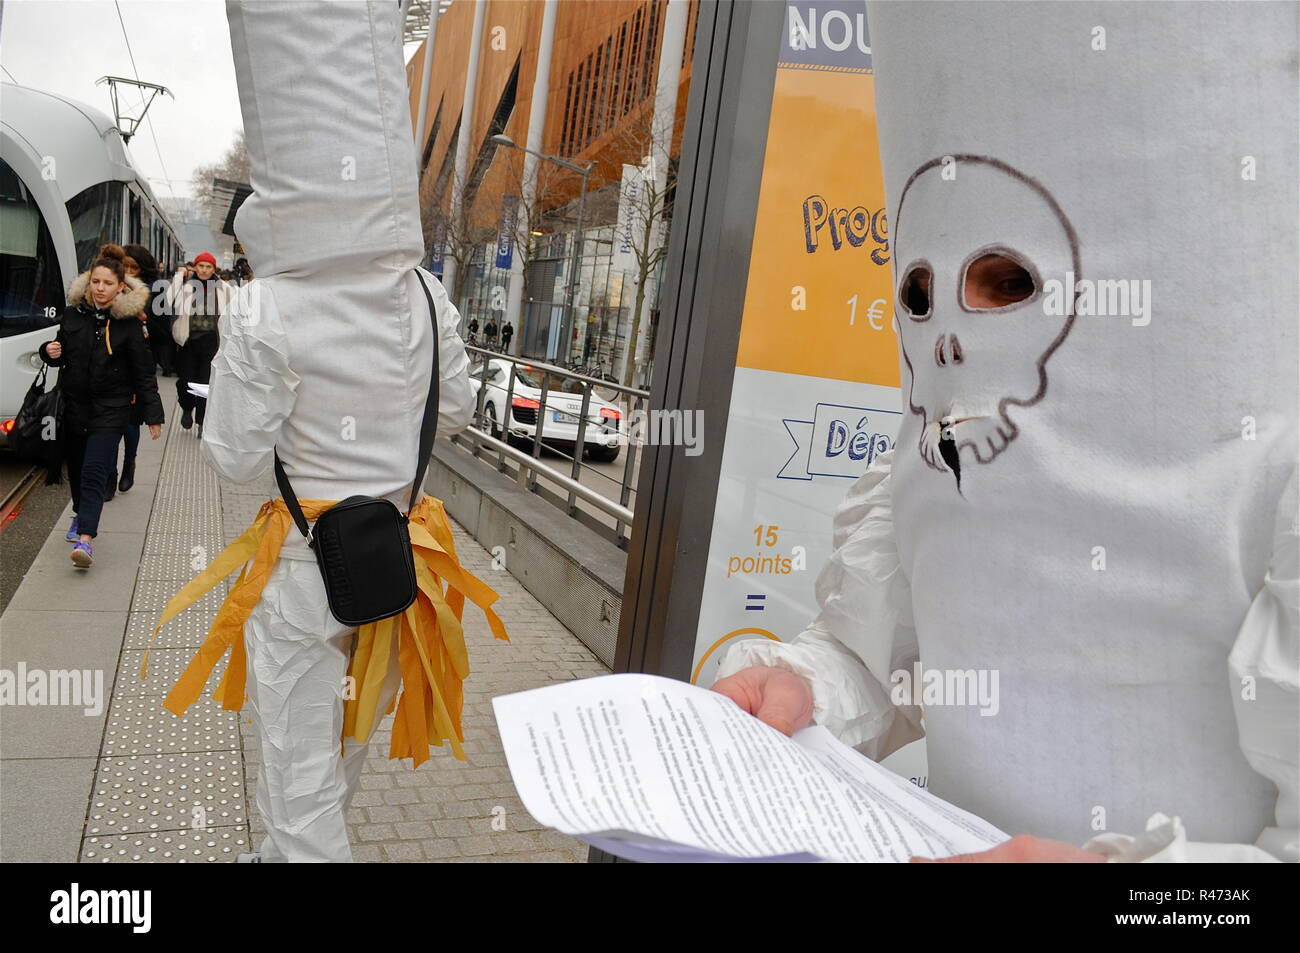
x,y
362,544
27,439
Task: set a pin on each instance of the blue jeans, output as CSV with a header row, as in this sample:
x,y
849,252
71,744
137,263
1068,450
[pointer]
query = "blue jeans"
x,y
131,441
90,458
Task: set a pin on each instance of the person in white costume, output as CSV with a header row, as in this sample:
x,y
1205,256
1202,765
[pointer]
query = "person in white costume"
x,y
325,357
1093,494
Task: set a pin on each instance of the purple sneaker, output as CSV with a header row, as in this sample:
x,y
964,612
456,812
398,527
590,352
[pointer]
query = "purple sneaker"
x,y
82,556
73,533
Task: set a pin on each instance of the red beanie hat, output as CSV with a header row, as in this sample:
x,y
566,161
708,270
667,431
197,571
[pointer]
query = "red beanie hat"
x,y
205,256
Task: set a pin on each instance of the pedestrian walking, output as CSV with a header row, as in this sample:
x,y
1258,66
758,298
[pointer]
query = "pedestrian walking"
x,y
198,299
131,435
158,319
104,359
507,333
490,330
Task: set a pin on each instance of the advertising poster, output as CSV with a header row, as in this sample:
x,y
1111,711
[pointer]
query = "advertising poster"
x,y
816,392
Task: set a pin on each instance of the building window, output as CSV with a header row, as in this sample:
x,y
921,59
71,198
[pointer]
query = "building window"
x,y
433,136
615,78
444,173
500,118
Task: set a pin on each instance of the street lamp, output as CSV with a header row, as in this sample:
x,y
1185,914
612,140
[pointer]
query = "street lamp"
x,y
584,171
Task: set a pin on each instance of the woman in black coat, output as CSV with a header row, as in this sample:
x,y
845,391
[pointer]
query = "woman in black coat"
x,y
139,264
104,360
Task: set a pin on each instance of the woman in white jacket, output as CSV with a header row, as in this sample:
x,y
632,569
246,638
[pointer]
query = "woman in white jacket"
x,y
197,301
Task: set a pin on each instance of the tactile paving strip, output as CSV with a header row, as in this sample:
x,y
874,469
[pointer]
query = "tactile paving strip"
x,y
179,567
178,792
139,725
165,666
214,846
177,488
187,630
152,595
154,768
160,542
185,519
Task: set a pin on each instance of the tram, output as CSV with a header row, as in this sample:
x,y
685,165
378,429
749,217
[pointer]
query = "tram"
x,y
67,186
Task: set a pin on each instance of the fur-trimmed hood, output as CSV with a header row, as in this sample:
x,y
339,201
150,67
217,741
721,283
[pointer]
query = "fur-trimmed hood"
x,y
129,302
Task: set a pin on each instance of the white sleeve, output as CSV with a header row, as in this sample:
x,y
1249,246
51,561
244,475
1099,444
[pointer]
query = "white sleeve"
x,y
455,399
1264,678
862,632
252,388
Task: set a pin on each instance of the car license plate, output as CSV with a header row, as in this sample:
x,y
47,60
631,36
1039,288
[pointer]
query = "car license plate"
x,y
560,417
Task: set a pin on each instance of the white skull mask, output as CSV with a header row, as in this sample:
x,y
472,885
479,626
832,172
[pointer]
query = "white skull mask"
x,y
969,365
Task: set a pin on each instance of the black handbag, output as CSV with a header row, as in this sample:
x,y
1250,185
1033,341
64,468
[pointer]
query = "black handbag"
x,y
28,437
362,544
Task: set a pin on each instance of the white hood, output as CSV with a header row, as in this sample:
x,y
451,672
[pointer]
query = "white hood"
x,y
326,355
1119,491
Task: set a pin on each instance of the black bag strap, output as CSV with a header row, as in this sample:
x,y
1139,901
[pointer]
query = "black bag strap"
x,y
428,431
429,428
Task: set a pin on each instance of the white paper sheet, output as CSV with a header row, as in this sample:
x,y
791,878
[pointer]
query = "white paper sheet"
x,y
654,769
198,390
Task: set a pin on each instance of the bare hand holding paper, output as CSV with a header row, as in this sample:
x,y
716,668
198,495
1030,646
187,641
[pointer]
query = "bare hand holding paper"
x,y
654,769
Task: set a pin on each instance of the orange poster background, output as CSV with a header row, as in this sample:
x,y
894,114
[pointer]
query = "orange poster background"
x,y
821,141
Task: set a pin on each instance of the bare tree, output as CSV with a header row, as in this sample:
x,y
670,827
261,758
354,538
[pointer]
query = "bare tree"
x,y
645,211
233,166
462,232
546,211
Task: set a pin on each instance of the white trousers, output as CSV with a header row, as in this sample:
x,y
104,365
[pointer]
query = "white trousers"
x,y
298,656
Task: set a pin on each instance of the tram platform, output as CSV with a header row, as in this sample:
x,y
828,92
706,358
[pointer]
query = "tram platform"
x,y
116,778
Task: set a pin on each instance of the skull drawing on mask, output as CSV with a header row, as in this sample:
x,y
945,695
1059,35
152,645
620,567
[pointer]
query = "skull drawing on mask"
x,y
975,240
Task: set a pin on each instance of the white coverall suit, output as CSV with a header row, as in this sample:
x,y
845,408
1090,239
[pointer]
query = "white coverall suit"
x,y
326,357
1122,545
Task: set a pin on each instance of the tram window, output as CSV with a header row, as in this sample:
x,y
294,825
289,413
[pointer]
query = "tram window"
x,y
31,288
133,219
96,216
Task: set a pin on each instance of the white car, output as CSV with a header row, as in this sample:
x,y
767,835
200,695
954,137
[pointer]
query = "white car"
x,y
602,437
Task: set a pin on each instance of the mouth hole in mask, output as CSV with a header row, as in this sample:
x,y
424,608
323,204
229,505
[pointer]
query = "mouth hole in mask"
x,y
948,451
914,291
997,280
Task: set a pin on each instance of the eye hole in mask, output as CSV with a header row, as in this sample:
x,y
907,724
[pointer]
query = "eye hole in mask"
x,y
914,292
994,281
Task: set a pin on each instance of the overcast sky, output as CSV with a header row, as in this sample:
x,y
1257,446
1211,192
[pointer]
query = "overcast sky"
x,y
65,45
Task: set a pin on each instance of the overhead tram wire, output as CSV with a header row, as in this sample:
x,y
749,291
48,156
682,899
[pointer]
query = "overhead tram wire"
x,y
147,117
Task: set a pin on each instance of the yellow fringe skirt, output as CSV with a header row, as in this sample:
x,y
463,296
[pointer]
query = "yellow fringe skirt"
x,y
428,637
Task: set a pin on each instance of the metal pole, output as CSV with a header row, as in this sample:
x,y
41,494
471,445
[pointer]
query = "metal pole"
x,y
515,309
577,264
452,278
426,70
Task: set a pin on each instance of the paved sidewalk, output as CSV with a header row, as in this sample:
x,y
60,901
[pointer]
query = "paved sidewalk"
x,y
131,782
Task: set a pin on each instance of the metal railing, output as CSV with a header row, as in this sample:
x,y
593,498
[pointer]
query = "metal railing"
x,y
597,501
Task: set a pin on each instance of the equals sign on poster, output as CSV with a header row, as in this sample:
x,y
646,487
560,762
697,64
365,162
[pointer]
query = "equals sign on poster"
x,y
754,602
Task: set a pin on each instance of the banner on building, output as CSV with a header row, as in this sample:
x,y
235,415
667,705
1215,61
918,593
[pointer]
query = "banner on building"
x,y
438,250
506,233
631,196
